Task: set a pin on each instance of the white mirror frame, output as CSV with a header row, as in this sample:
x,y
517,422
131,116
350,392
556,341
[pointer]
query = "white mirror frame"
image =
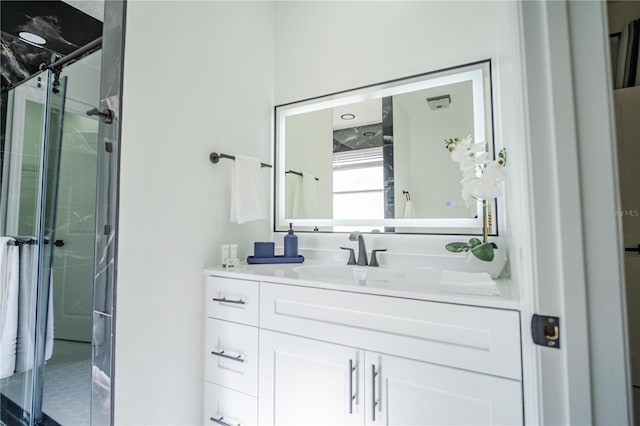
x,y
395,87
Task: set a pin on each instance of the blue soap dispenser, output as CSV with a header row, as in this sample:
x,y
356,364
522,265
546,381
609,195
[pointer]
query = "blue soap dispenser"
x,y
290,243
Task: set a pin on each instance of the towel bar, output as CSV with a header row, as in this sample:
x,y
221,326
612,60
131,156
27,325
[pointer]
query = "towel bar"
x,y
20,241
298,173
214,157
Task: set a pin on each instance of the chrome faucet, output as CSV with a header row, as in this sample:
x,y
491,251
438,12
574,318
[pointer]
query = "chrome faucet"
x,y
362,249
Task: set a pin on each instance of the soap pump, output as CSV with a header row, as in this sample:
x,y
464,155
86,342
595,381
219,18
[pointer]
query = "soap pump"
x,y
290,243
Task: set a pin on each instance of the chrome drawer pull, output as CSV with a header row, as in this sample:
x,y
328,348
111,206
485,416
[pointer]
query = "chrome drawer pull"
x,y
225,300
374,401
352,397
221,422
231,357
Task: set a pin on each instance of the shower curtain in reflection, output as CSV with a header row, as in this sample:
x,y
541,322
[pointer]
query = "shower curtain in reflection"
x,y
31,146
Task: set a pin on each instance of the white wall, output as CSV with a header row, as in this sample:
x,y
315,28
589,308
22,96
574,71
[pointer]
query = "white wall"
x,y
324,47
197,78
620,13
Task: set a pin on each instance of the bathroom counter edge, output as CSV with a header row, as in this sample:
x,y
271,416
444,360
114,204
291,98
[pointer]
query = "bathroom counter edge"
x,y
406,288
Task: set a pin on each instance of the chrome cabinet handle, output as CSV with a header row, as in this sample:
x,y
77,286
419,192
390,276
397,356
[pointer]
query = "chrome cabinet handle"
x,y
352,396
225,300
231,357
221,422
374,401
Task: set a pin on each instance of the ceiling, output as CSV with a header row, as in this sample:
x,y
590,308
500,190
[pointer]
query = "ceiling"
x,y
64,27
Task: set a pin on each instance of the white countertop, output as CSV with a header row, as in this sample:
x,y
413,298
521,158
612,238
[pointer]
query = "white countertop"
x,y
416,285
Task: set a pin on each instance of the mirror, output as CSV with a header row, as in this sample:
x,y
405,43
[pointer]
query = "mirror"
x,y
374,159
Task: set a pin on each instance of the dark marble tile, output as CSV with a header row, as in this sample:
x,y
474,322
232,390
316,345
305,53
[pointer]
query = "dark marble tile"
x,y
64,28
360,137
387,160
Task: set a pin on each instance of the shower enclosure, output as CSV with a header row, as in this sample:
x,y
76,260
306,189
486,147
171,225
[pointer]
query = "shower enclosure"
x,y
48,163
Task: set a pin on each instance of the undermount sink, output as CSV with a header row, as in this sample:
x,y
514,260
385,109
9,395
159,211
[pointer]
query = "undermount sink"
x,y
346,272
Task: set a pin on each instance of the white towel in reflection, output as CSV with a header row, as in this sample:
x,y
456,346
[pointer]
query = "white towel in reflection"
x,y
476,283
310,189
408,210
9,287
247,190
26,311
297,209
305,196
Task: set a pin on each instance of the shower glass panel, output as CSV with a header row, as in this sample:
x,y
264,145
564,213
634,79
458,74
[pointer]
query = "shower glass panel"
x,y
20,217
51,153
67,375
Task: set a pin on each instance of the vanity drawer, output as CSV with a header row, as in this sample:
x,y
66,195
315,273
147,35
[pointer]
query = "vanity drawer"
x,y
232,355
472,338
228,406
233,300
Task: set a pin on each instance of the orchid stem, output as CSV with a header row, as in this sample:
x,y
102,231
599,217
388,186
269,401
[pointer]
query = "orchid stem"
x,y
485,231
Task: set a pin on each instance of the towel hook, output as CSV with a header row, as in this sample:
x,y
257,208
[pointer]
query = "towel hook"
x,y
407,195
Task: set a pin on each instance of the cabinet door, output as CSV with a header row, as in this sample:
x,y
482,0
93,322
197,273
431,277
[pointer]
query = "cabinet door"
x,y
399,391
307,382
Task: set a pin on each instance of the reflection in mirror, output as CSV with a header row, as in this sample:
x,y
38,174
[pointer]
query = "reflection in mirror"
x,y
374,159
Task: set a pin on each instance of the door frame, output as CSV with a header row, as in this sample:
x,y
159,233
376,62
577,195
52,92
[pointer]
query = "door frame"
x,y
577,258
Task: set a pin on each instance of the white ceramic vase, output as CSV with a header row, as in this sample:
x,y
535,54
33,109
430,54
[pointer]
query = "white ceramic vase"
x,y
494,267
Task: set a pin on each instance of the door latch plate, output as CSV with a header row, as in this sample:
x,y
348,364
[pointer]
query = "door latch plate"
x,y
545,330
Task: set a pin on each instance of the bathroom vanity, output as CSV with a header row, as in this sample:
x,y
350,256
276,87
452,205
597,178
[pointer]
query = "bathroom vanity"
x,y
286,347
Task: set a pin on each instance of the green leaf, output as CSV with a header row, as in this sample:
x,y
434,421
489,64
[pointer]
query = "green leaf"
x,y
457,247
494,245
474,242
483,252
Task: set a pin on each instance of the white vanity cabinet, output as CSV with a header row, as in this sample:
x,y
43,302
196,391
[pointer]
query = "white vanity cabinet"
x,y
333,357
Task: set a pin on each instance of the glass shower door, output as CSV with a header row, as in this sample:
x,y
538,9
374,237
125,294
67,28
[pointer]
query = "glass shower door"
x,y
28,206
20,218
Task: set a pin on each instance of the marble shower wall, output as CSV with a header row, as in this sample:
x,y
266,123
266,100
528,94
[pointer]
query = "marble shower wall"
x,y
64,28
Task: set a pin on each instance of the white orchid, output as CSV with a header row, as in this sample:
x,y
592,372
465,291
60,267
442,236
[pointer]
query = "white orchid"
x,y
464,149
482,178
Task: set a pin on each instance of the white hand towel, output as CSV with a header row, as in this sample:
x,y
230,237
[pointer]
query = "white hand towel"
x,y
27,305
247,190
9,288
297,210
408,210
476,283
310,197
